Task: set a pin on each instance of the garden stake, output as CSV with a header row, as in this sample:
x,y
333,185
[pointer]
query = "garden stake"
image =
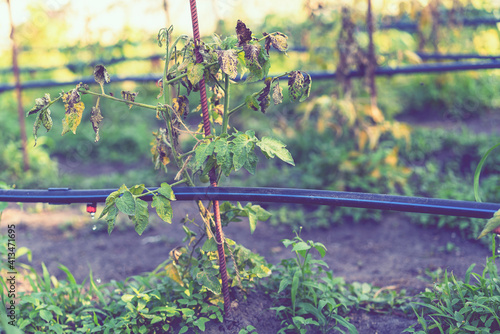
x,y
212,174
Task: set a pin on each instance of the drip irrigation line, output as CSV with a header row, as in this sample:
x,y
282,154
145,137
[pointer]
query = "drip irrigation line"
x,y
381,71
411,26
427,56
272,195
79,66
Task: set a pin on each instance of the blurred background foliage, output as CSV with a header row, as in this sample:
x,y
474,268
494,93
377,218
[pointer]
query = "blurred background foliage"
x,y
417,134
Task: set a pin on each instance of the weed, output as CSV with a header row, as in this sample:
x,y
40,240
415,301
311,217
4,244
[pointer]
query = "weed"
x,y
310,297
468,306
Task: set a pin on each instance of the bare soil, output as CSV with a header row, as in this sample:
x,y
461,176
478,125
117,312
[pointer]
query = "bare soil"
x,y
392,254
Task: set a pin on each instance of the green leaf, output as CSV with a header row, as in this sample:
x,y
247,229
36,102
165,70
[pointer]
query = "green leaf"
x,y
252,102
3,206
492,225
342,321
223,156
110,202
195,72
254,213
127,298
163,208
111,218
46,315
210,245
301,246
211,282
320,248
200,323
242,145
141,217
261,271
166,190
69,276
126,203
251,163
272,147
137,189
202,152
477,173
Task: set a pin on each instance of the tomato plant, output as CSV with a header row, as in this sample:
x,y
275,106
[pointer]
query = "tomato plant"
x,y
192,66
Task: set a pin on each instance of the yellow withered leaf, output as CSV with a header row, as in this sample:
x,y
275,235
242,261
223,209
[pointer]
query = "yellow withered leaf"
x,y
172,272
492,225
74,110
392,158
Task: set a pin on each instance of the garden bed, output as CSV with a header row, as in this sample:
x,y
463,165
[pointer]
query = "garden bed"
x,y
393,255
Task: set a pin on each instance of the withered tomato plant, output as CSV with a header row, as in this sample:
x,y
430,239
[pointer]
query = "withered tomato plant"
x,y
220,63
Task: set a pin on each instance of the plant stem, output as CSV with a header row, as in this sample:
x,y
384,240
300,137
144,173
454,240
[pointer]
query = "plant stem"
x,y
225,119
142,105
235,109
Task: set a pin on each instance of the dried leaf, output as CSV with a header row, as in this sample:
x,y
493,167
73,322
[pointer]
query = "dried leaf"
x,y
40,103
264,98
195,73
307,87
243,33
101,75
172,272
299,86
492,226
252,54
74,110
181,106
129,96
228,61
295,85
279,41
260,68
159,149
277,93
159,84
42,118
267,42
96,119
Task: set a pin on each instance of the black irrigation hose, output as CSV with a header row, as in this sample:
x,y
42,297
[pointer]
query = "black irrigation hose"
x,y
74,67
411,26
78,66
275,195
381,71
427,56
